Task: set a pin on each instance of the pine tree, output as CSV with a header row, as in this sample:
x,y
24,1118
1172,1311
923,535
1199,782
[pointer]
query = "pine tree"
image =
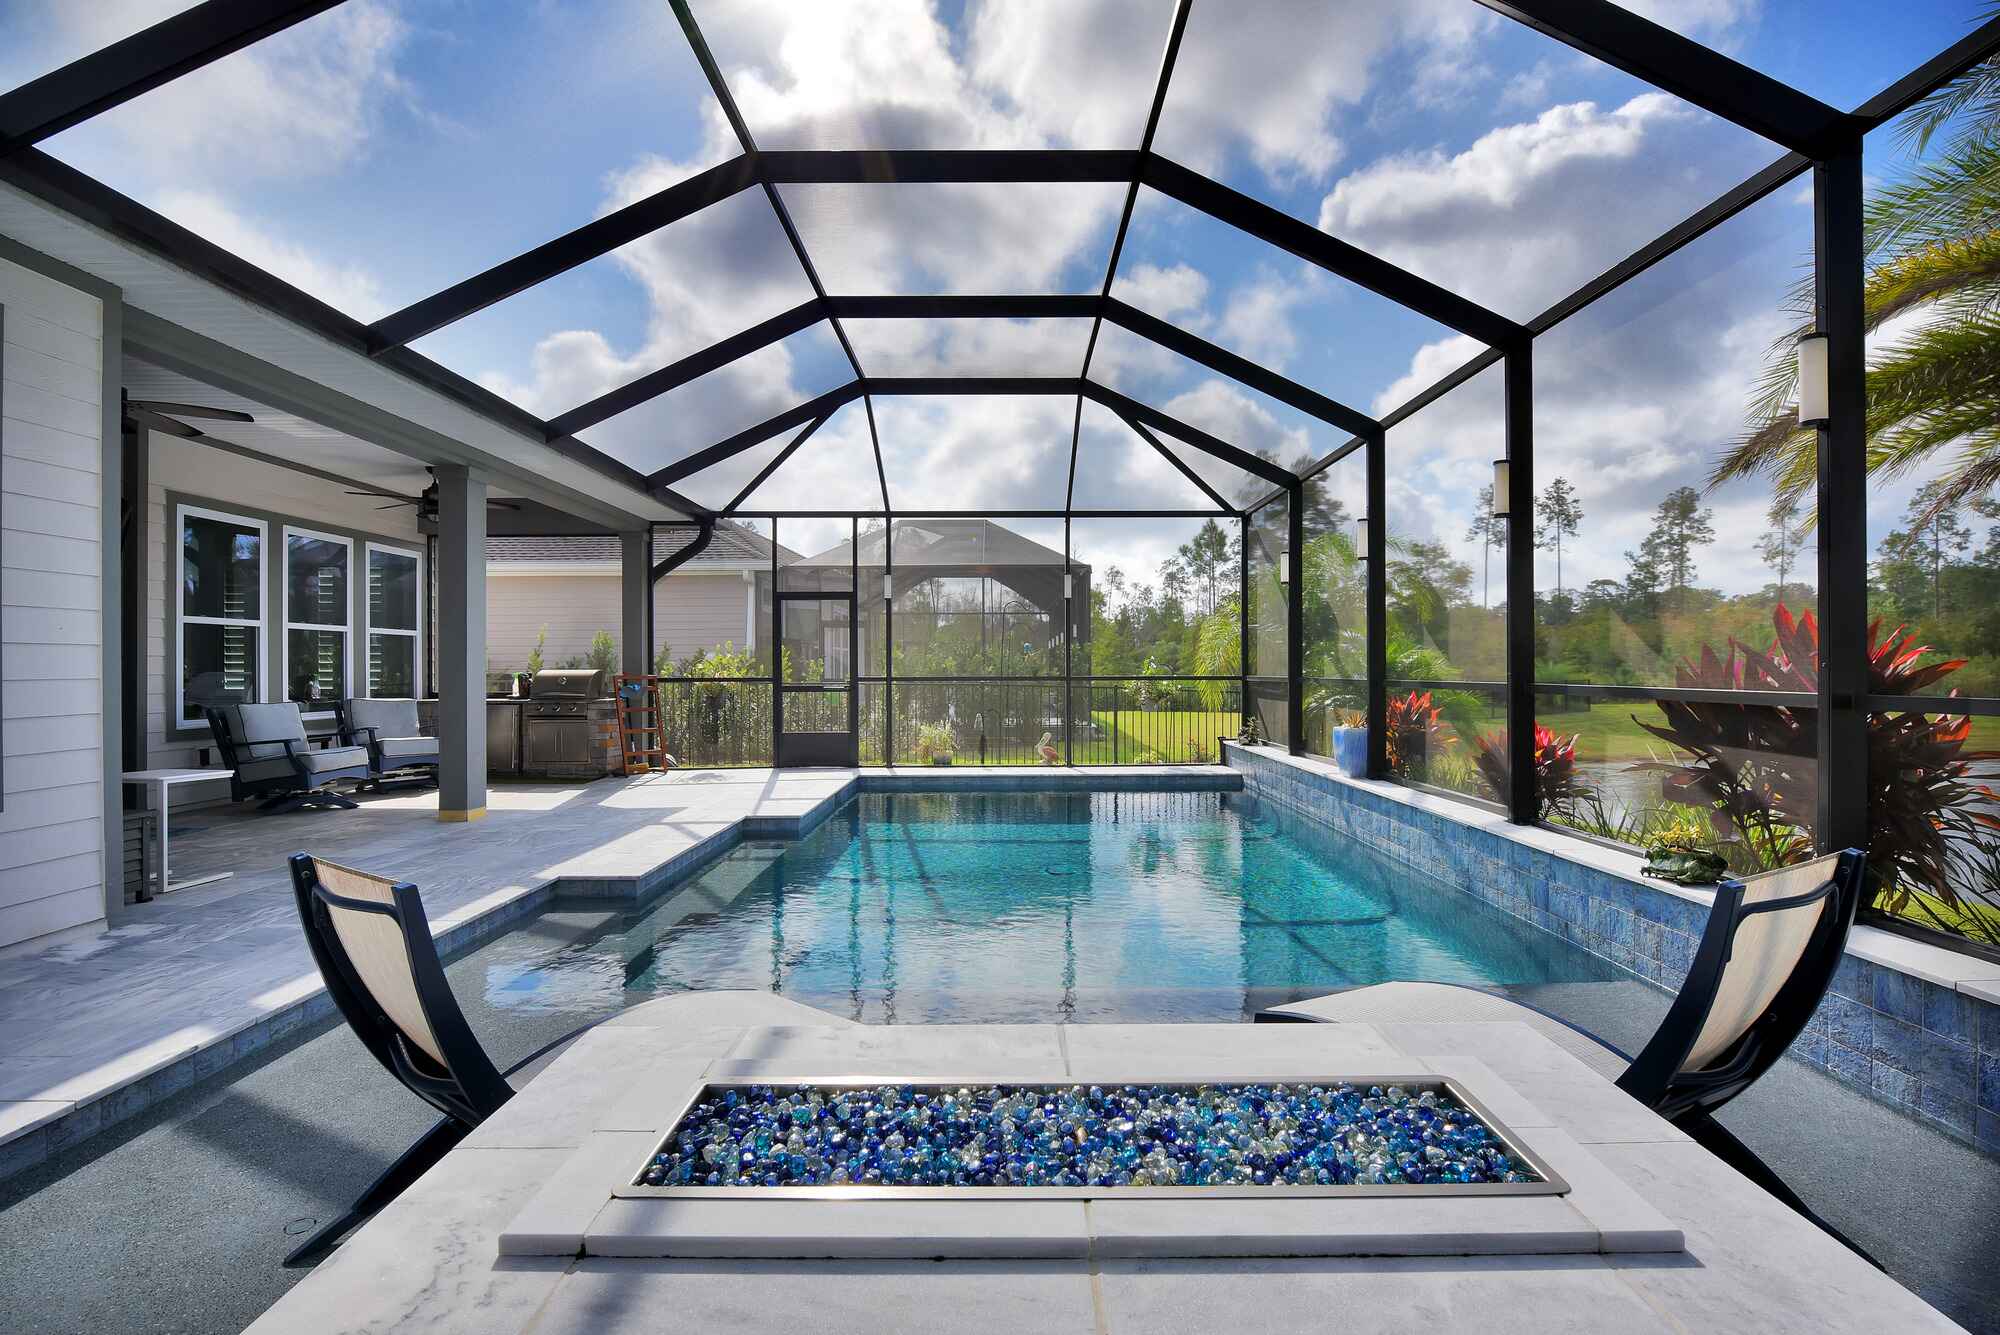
x,y
1665,560
1489,531
1784,538
1561,513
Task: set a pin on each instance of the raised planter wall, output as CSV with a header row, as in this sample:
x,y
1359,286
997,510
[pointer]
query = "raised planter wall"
x,y
1913,1025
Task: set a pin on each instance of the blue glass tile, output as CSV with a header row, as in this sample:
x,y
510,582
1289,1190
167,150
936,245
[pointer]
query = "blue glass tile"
x,y
1989,1081
1948,1012
1986,1130
1937,1105
1855,978
1899,995
1894,1085
1849,1065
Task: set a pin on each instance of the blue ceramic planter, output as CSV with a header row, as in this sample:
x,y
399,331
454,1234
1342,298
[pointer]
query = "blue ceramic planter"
x,y
1350,751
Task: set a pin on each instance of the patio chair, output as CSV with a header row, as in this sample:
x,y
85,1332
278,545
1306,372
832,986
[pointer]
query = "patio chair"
x,y
372,942
265,748
389,730
1765,960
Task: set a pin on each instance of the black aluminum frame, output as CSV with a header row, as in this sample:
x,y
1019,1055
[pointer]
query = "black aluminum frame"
x,y
1817,138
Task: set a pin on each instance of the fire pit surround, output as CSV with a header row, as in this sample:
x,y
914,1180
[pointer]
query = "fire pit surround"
x,y
1420,1136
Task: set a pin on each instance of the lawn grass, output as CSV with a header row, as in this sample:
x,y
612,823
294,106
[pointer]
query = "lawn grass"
x,y
1609,730
1176,736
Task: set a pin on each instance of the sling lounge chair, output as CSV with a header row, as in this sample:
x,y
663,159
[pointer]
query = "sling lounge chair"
x,y
1765,960
372,942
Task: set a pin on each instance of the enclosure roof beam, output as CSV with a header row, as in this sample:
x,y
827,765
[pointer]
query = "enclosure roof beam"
x,y
1134,411
1689,70
691,367
1337,257
598,237
1220,360
1139,429
115,74
823,406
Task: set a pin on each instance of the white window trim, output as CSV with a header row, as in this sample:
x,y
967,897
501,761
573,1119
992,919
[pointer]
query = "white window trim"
x,y
182,513
345,628
369,627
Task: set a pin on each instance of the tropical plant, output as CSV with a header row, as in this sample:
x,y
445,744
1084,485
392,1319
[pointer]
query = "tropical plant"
x,y
1218,651
1755,766
1932,246
1412,725
535,654
1556,779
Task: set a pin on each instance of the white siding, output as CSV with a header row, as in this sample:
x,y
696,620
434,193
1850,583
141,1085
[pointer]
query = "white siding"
x,y
691,610
222,481
51,588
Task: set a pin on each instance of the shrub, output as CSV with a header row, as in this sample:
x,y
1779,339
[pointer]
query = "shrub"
x,y
603,655
1754,767
1412,726
1556,782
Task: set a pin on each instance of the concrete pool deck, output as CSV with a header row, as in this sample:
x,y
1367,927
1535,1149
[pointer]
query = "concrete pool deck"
x,y
97,1024
432,1260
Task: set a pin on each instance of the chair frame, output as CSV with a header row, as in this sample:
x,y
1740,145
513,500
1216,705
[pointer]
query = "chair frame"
x,y
353,734
1689,1099
284,792
466,1087
1656,1077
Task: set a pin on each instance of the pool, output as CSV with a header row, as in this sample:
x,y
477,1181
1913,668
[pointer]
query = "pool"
x,y
930,908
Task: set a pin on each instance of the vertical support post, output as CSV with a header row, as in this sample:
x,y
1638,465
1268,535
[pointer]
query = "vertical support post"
x,y
889,641
1523,802
461,680
1243,618
1069,639
1843,504
1377,595
635,590
1295,622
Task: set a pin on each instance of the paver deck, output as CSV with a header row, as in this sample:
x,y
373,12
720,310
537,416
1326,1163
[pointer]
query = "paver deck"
x,y
97,1023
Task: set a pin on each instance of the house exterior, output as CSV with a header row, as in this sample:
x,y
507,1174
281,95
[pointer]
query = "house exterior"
x,y
568,589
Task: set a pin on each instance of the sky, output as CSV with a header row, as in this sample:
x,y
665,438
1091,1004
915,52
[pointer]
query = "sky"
x,y
388,148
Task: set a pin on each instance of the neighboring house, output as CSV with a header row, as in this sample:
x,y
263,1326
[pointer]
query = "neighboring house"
x,y
568,587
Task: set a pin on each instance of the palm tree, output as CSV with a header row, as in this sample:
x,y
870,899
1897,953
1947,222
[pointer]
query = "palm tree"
x,y
1932,239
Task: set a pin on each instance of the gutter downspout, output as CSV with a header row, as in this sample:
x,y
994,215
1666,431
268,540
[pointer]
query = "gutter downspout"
x,y
667,565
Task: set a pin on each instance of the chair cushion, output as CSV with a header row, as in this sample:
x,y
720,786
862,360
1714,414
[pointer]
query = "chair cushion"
x,y
408,748
335,758
268,725
389,718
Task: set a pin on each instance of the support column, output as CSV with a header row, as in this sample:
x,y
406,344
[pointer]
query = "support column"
x,y
635,588
1843,506
1377,556
1523,802
1295,621
461,637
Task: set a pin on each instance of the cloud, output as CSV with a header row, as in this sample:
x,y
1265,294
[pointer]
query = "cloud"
x,y
1170,293
1270,81
1530,211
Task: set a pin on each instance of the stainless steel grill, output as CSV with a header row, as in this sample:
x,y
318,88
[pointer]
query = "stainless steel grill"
x,y
566,692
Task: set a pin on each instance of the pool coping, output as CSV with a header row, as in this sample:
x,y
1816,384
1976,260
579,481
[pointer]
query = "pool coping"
x,y
30,1137
1910,1024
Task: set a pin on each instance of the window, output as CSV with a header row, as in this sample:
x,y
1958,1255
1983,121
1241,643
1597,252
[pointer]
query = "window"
x,y
221,603
395,616
316,616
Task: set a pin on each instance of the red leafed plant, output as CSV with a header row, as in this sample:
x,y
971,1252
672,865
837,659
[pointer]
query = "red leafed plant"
x,y
1412,725
1755,766
1556,787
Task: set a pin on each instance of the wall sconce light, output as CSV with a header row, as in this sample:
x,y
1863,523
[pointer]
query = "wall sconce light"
x,y
1814,409
1361,538
1284,567
888,587
1069,585
1501,475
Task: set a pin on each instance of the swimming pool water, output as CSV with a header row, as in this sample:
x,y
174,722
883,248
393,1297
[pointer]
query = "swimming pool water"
x,y
1013,907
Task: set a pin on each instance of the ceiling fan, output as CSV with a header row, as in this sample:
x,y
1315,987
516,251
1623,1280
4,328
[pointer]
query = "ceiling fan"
x,y
427,501
160,415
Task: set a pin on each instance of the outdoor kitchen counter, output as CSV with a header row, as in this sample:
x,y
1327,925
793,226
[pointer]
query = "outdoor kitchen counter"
x,y
432,1261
